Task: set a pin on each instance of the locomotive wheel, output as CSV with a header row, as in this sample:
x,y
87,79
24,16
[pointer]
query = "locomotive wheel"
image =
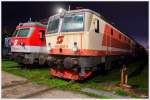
x,y
42,59
50,61
28,59
20,61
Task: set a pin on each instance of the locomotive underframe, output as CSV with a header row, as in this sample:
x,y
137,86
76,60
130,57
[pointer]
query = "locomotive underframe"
x,y
30,58
79,68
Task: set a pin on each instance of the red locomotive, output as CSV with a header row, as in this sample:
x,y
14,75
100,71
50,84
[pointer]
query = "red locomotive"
x,y
28,44
79,40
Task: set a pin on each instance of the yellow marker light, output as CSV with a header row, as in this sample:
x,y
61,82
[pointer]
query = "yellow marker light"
x,y
49,46
75,47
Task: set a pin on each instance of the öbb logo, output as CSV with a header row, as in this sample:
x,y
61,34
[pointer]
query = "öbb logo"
x,y
60,39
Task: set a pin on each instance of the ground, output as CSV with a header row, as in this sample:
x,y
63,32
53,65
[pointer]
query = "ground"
x,y
18,87
108,81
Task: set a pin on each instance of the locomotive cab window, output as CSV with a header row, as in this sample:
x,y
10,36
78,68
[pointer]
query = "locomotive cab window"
x,y
22,32
53,26
72,23
42,34
97,26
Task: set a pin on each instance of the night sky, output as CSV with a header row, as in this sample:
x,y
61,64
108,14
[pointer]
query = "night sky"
x,y
129,17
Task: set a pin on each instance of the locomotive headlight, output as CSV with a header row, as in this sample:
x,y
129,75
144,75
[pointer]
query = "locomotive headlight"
x,y
61,11
49,46
75,47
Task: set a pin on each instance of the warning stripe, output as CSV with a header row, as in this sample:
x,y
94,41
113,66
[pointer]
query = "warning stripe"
x,y
29,49
86,52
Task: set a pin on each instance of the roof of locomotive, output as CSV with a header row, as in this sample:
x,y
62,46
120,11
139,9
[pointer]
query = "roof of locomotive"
x,y
84,10
99,15
80,10
32,24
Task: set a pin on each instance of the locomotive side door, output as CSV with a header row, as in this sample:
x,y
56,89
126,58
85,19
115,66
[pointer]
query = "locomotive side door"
x,y
95,35
42,40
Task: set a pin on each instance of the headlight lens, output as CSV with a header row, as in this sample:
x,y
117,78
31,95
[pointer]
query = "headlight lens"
x,y
75,47
49,46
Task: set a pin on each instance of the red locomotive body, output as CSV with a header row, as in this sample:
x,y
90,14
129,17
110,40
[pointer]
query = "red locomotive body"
x,y
28,44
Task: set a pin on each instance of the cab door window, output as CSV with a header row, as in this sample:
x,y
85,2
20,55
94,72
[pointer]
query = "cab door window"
x,y
97,26
42,34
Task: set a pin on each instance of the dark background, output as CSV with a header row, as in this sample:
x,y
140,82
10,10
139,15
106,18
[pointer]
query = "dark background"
x,y
130,17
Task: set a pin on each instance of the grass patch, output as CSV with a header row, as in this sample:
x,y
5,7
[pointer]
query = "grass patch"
x,y
75,87
119,91
97,96
94,85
